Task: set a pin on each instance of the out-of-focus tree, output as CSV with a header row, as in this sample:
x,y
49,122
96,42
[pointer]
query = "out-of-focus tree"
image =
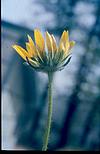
x,y
82,18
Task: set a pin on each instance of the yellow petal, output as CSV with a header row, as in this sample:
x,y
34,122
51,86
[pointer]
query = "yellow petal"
x,y
49,42
54,43
67,45
61,47
72,43
64,38
35,63
22,52
67,48
28,47
32,47
39,40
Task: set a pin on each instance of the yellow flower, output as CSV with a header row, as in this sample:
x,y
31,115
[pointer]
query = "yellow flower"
x,y
46,56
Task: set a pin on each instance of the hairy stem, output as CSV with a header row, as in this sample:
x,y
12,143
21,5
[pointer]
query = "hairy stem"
x,y
48,126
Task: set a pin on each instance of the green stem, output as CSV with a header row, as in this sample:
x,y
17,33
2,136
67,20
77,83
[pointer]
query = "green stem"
x,y
48,126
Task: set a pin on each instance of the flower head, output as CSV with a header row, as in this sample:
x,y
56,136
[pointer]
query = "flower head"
x,y
45,55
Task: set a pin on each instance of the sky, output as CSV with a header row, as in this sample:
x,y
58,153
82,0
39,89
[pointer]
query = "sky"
x,y
32,14
26,12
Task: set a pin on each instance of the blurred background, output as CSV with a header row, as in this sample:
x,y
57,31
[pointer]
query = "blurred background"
x,y
76,89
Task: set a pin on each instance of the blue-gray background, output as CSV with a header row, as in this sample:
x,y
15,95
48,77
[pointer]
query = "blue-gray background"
x,y
76,90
